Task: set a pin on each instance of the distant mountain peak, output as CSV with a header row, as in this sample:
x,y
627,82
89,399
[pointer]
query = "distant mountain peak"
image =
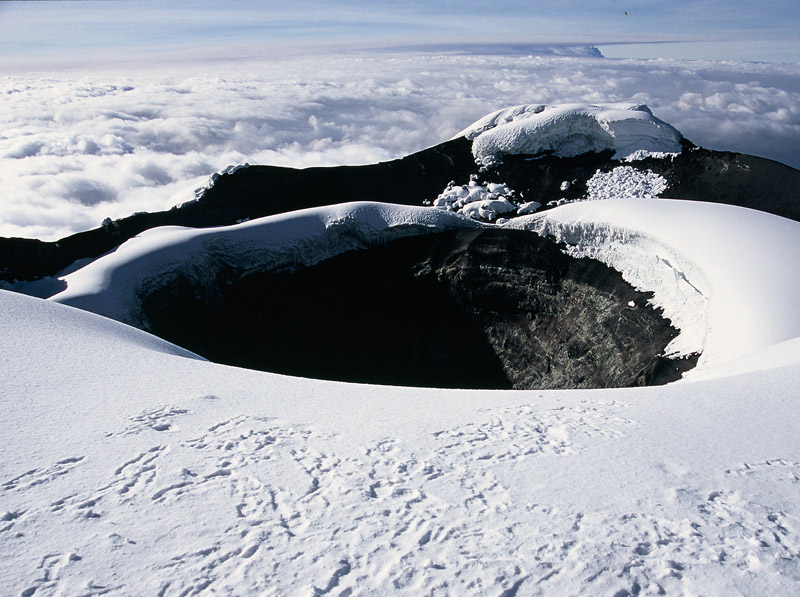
x,y
569,130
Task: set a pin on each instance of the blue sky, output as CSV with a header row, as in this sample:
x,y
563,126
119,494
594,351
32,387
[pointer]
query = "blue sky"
x,y
106,30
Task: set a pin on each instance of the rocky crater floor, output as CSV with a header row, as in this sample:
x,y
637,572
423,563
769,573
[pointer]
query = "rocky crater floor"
x,y
484,308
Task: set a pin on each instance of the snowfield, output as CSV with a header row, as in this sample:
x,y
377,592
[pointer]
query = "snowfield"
x,y
130,467
569,130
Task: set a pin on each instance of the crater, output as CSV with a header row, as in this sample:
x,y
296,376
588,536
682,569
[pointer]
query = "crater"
x,y
486,308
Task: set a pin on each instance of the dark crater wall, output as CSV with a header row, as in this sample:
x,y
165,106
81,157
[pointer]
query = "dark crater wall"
x,y
258,191
252,193
470,309
696,174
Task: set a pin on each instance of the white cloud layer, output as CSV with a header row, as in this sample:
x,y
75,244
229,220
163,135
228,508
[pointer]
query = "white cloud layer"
x,y
75,149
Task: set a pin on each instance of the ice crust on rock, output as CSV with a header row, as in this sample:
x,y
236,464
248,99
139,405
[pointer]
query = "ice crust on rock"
x,y
621,182
480,202
488,209
111,285
569,130
643,154
625,181
528,208
720,272
212,180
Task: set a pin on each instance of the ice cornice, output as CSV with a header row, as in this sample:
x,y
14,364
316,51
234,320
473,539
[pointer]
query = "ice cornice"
x,y
569,130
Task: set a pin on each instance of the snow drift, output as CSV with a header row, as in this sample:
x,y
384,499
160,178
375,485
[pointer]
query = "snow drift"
x,y
128,470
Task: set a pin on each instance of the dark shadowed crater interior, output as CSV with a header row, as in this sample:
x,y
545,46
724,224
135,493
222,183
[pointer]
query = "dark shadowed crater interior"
x,y
469,309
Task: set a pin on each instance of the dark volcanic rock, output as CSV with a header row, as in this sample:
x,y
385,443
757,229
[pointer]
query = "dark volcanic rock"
x,y
696,174
732,178
252,193
258,191
469,309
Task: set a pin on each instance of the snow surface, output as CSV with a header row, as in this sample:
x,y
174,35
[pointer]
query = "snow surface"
x,y
111,285
719,272
127,467
480,202
528,208
569,130
625,181
726,276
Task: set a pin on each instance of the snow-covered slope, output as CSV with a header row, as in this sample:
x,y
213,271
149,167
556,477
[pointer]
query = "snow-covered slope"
x,y
128,468
720,273
111,285
726,276
570,129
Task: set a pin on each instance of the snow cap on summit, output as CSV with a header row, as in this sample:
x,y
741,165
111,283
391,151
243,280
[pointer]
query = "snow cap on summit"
x,y
569,130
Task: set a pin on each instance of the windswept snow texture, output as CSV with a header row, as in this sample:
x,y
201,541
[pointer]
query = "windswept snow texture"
x,y
569,130
625,181
125,470
113,284
726,276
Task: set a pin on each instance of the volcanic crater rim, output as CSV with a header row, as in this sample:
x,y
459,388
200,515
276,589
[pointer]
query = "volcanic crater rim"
x,y
481,308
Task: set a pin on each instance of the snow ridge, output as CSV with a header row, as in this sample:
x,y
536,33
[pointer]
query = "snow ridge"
x,y
112,285
569,130
212,180
720,272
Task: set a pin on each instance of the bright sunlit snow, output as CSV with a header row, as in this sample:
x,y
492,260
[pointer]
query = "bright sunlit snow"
x,y
625,181
130,466
570,130
720,272
477,201
156,258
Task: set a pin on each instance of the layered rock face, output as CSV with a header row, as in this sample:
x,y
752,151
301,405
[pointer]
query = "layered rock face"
x,y
468,309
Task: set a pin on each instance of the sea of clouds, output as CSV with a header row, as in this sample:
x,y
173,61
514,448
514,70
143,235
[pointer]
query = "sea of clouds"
x,y
77,148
